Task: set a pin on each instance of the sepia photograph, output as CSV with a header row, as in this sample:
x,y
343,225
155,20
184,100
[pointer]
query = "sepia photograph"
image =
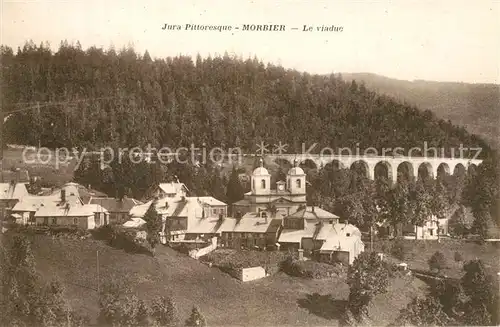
x,y
249,163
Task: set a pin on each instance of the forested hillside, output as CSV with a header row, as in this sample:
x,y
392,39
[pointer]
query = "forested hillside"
x,y
475,106
94,97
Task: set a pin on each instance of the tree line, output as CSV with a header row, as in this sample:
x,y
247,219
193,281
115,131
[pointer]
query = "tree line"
x,y
95,98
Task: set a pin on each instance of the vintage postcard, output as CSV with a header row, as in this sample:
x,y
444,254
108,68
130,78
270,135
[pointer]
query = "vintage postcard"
x,y
249,163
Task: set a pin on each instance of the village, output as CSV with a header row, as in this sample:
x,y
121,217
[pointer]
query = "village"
x,y
265,219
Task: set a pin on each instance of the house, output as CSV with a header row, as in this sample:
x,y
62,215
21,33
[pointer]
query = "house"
x,y
253,230
287,197
170,190
180,212
341,247
118,208
87,216
24,210
436,227
309,214
339,242
212,208
17,175
10,194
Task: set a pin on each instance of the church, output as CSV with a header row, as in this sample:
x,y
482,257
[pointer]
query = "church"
x,y
287,197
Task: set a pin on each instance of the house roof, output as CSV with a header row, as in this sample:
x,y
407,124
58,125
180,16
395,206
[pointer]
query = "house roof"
x,y
115,205
134,223
9,191
341,243
177,207
247,224
172,188
72,191
33,203
70,211
211,201
329,231
21,176
311,213
242,202
207,226
319,231
296,235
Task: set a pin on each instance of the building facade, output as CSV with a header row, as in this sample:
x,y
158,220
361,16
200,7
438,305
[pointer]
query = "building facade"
x,y
288,196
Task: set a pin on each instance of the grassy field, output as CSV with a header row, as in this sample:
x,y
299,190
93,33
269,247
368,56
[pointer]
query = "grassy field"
x,y
418,253
272,301
45,167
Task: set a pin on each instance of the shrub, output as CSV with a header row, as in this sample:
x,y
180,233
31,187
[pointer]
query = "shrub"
x,y
120,238
103,233
458,257
437,261
398,250
311,269
71,231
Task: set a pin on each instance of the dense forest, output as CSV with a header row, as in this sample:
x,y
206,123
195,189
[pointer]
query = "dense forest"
x,y
106,98
94,98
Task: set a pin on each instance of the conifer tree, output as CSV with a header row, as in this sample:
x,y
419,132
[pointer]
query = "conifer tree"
x,y
164,312
153,225
196,319
235,191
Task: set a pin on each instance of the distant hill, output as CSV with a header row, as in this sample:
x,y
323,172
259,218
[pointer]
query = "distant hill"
x,y
474,106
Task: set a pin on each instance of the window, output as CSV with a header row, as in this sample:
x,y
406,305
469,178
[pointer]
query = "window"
x,y
75,221
298,183
54,221
214,211
263,183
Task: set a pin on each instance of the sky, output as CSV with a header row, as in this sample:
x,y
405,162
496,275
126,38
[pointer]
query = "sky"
x,y
430,40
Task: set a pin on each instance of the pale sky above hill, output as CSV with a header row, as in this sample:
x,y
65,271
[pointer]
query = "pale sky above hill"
x,y
442,40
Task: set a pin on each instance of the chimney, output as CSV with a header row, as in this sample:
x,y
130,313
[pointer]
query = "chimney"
x,y
18,175
313,208
63,195
263,214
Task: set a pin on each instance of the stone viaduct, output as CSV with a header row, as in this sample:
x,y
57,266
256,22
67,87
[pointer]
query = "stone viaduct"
x,y
391,163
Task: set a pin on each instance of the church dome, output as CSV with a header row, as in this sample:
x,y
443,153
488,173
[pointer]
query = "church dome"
x,y
296,171
260,171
